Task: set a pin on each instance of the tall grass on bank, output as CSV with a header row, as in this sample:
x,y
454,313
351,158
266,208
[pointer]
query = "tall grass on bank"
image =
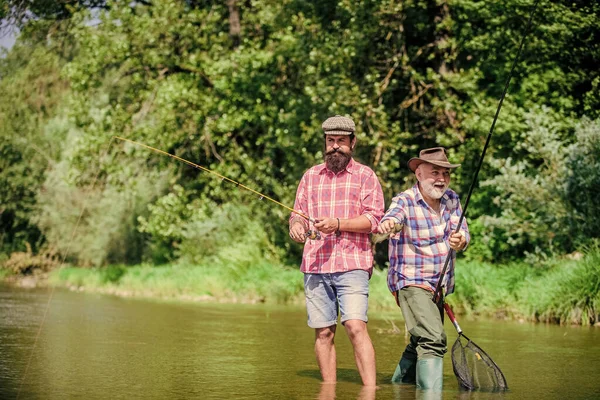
x,y
561,291
263,282
568,293
487,289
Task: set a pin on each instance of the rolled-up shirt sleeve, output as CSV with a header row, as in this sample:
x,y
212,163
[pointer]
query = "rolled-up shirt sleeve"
x,y
396,210
372,200
300,204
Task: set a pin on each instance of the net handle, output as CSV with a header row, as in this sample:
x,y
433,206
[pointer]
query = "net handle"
x,y
452,318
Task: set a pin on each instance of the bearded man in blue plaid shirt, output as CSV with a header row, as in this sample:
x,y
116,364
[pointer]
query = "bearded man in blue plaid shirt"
x,y
422,222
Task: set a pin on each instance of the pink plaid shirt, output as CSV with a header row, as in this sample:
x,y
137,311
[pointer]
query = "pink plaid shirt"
x,y
349,194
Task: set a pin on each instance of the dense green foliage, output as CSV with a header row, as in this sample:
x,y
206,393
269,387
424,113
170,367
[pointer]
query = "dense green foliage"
x,y
242,88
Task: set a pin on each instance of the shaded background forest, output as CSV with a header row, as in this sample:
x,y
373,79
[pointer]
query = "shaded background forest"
x,y
241,87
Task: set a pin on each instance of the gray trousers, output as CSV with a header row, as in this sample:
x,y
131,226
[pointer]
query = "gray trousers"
x,y
424,323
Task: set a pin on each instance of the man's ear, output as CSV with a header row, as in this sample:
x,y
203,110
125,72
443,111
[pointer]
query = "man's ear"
x,y
353,143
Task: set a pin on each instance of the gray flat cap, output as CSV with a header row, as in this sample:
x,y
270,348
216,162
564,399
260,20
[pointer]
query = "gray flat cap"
x,y
338,125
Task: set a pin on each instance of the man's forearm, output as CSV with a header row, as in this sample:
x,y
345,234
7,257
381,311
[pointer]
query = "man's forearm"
x,y
360,224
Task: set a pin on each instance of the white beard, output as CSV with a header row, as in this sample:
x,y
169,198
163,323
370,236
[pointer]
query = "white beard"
x,y
432,191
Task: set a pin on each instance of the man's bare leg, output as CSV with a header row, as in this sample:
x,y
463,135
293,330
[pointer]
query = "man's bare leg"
x,y
325,351
364,353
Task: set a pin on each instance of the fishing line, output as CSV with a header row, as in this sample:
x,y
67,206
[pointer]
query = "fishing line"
x,y
438,288
200,167
62,264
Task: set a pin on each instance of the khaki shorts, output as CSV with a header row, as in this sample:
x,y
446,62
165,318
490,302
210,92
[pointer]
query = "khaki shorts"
x,y
326,294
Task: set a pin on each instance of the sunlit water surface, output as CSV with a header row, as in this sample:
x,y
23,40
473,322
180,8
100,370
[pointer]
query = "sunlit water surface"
x,y
97,347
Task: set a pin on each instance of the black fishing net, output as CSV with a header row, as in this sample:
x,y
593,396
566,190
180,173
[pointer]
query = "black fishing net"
x,y
474,369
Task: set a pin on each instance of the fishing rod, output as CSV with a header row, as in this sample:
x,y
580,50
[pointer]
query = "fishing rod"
x,y
438,288
311,234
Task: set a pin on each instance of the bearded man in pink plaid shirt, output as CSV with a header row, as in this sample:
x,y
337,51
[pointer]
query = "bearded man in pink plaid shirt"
x,y
345,202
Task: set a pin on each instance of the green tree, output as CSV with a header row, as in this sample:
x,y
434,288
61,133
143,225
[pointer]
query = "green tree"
x,y
582,186
242,88
533,216
31,88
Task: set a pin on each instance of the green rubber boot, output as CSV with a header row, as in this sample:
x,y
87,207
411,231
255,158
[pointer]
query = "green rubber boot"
x,y
405,371
430,373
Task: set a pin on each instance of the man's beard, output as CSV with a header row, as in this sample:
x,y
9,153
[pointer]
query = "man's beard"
x,y
433,191
337,160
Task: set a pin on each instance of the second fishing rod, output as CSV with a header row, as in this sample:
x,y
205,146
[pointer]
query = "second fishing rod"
x,y
438,290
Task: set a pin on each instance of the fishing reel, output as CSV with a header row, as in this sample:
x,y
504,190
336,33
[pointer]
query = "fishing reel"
x,y
312,234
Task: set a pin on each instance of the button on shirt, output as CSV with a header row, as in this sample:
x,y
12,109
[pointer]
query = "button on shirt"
x,y
418,252
352,192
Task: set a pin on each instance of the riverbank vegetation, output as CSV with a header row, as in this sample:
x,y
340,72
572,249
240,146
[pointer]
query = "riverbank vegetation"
x,y
242,88
565,292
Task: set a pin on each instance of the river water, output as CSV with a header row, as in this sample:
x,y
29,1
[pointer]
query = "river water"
x,y
99,347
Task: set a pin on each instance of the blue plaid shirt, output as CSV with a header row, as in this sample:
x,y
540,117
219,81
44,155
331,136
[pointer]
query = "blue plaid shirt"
x,y
417,253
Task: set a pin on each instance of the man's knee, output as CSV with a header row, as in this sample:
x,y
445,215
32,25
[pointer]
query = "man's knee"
x,y
355,328
325,335
432,346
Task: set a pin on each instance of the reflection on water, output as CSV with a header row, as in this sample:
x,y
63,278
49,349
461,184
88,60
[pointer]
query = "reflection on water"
x,y
94,346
